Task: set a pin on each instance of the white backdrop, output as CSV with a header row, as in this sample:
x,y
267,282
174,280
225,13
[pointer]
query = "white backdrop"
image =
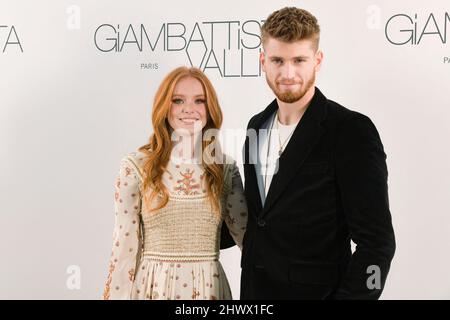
x,y
69,112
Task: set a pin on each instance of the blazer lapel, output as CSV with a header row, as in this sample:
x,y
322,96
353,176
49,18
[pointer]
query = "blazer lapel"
x,y
251,153
305,136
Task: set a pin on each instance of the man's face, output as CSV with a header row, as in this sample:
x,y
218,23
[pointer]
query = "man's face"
x,y
290,67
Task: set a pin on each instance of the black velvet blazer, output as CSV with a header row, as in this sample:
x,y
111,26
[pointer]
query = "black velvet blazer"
x,y
331,187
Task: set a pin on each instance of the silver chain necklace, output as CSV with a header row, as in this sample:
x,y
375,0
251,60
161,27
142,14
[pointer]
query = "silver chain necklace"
x,y
281,146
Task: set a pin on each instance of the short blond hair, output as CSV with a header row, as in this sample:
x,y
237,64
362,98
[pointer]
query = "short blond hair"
x,y
291,24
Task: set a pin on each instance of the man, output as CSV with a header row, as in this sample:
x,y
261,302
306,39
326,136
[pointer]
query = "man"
x,y
328,187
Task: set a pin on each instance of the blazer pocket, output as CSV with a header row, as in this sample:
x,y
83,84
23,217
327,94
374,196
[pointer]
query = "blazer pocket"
x,y
314,167
316,273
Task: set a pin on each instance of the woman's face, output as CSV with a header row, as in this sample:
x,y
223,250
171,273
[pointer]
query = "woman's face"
x,y
188,110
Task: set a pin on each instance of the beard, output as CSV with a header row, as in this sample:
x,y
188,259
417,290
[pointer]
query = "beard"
x,y
291,96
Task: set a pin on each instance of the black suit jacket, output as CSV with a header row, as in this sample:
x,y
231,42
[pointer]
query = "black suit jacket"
x,y
330,188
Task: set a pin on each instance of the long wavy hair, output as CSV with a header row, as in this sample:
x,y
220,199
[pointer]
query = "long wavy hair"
x,y
159,147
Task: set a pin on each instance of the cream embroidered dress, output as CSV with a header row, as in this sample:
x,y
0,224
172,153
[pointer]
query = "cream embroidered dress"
x,y
173,253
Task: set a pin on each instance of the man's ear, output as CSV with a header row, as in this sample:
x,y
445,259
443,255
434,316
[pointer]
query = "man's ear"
x,y
262,59
318,60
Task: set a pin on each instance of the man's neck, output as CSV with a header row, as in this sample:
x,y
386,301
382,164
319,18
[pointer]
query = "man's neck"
x,y
291,113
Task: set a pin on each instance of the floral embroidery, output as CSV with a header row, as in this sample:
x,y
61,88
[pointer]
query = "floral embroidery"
x,y
195,294
128,241
131,274
108,282
187,185
231,220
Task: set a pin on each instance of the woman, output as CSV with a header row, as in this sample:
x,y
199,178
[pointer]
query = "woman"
x,y
171,201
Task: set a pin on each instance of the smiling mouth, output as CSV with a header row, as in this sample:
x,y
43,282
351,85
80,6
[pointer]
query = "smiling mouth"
x,y
188,120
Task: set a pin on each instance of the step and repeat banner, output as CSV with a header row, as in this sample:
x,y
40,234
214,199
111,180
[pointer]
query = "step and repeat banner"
x,y
77,82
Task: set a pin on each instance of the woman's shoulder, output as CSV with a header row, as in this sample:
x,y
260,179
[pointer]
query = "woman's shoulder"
x,y
228,162
135,161
138,157
230,166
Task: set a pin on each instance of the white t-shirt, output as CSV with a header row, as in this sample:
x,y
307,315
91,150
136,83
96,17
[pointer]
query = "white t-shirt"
x,y
268,164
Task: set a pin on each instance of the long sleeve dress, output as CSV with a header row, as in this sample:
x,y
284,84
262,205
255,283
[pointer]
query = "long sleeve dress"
x,y
172,253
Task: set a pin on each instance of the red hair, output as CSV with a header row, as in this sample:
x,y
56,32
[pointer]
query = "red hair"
x,y
159,147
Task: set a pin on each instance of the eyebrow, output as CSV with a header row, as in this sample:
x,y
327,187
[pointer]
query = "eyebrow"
x,y
182,95
298,57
